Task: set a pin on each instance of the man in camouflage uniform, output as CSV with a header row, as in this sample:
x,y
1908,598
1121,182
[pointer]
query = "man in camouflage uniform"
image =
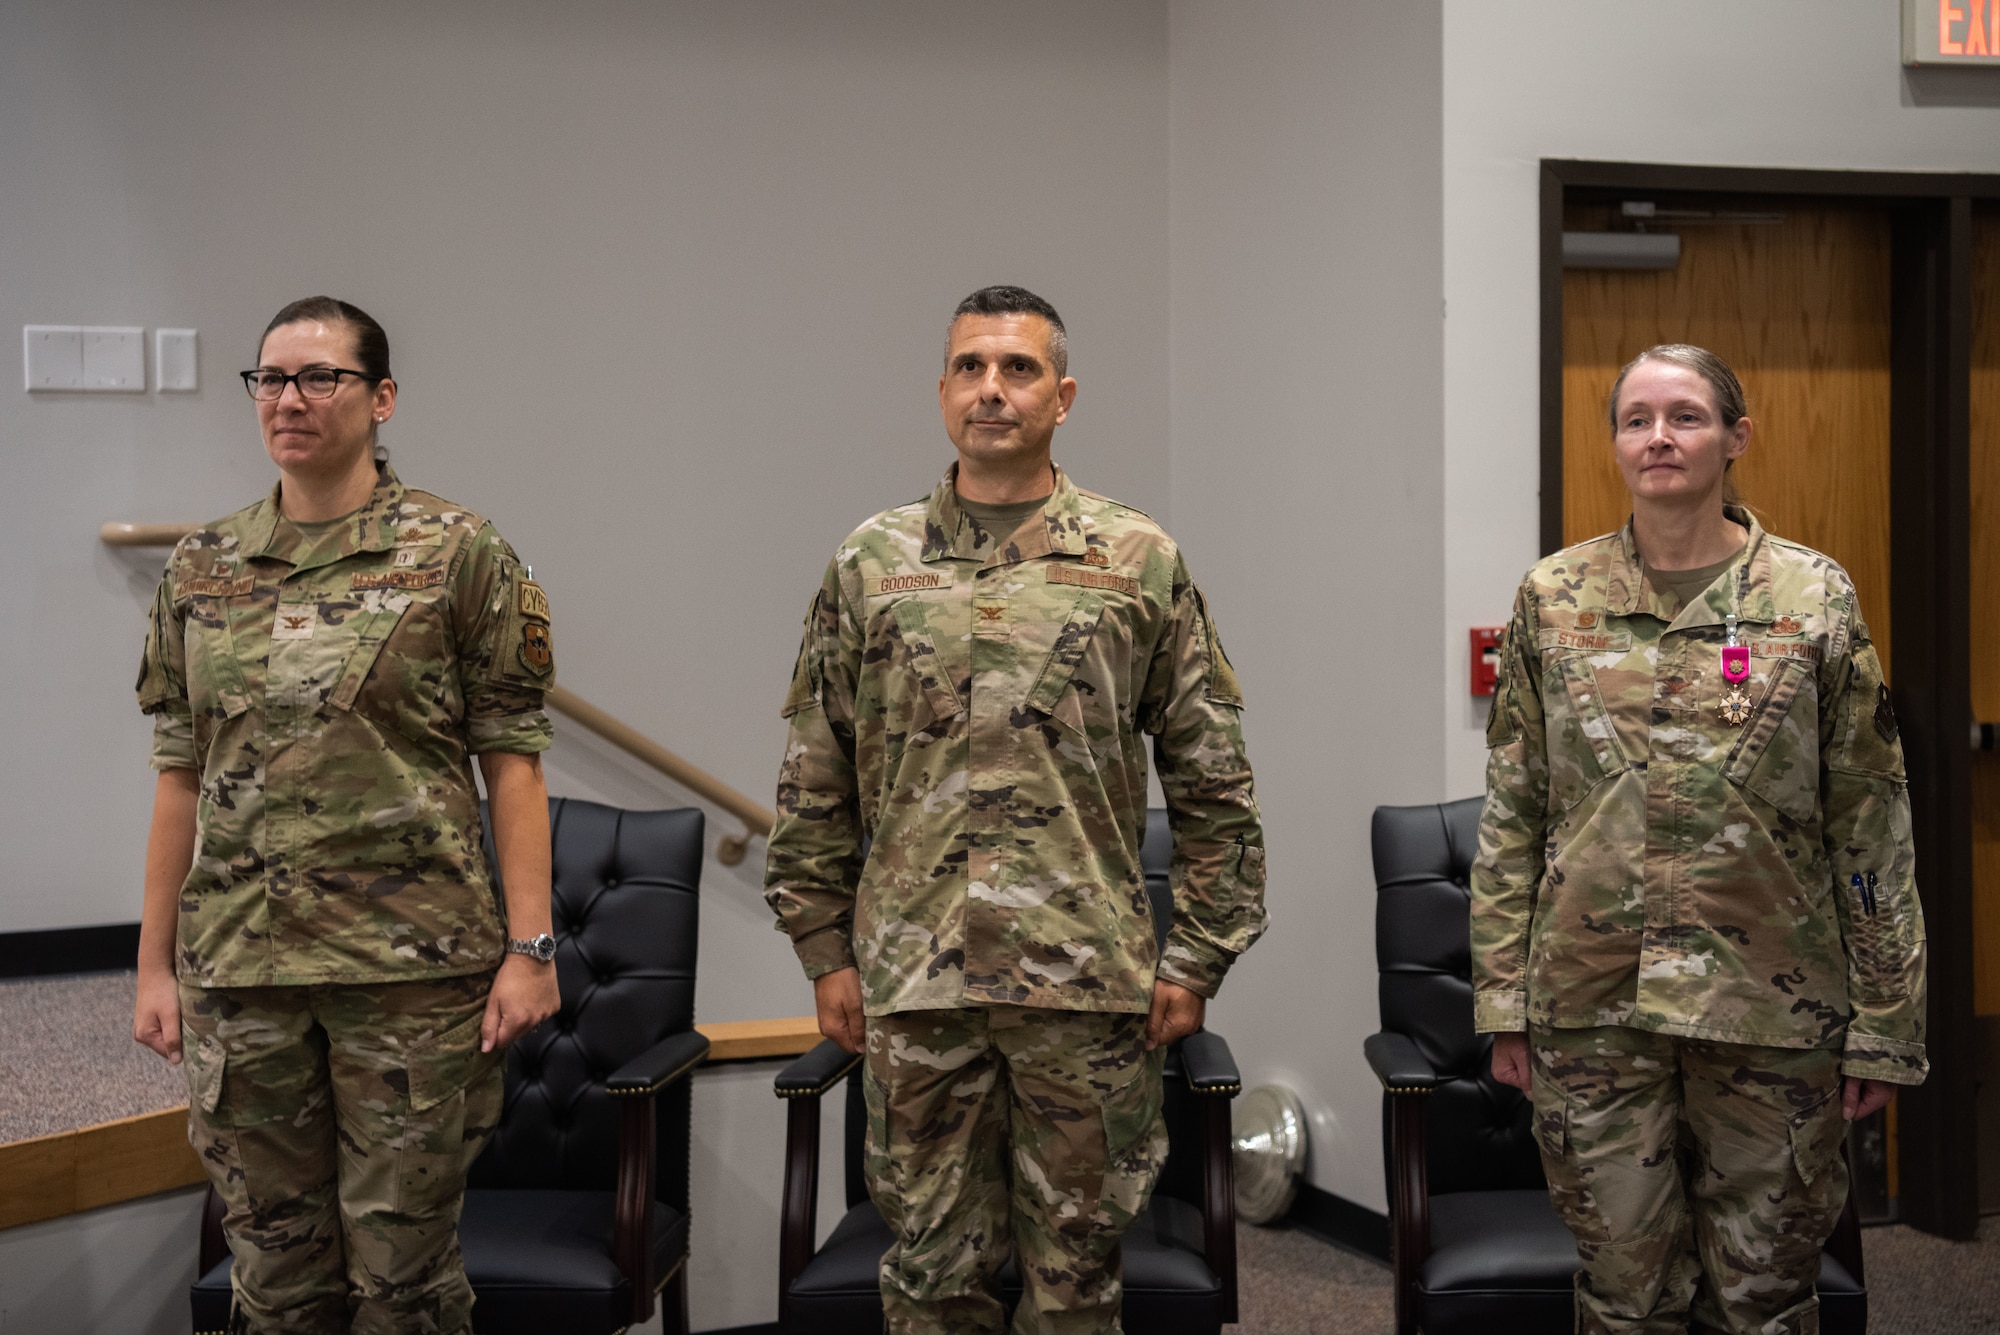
x,y
320,689
1702,923
978,676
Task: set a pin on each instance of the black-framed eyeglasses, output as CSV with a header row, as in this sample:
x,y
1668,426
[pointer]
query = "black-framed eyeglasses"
x,y
315,382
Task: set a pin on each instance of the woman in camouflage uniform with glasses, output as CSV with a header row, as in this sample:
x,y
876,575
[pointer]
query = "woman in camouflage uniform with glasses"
x,y
1695,929
322,944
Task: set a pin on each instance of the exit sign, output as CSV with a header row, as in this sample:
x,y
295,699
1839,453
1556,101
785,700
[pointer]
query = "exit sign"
x,y
1951,32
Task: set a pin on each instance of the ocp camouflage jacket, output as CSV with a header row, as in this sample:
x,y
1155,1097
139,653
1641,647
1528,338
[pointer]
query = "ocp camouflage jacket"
x,y
1643,862
979,715
329,688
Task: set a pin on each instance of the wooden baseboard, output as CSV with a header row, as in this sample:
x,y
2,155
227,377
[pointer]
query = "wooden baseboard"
x,y
72,1171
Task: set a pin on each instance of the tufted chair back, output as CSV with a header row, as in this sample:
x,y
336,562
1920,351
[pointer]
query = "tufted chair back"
x,y
626,908
1480,1138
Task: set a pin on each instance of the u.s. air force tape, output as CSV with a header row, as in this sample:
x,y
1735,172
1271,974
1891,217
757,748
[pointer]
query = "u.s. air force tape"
x,y
1092,579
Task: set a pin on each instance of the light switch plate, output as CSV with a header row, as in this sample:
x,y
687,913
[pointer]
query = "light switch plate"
x,y
52,355
174,360
114,358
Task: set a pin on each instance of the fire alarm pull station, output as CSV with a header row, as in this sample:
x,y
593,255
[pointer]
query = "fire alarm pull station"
x,y
1486,658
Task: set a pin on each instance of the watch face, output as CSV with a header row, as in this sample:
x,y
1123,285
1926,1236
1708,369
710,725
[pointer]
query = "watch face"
x,y
545,947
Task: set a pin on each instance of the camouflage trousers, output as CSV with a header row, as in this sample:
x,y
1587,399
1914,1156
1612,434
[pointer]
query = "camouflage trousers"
x,y
337,1123
1003,1129
1700,1178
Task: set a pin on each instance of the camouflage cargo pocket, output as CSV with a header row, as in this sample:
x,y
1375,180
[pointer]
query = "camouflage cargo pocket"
x,y
1051,694
1135,1139
1583,743
1776,757
392,681
934,703
206,1060
396,647
1817,1135
452,1111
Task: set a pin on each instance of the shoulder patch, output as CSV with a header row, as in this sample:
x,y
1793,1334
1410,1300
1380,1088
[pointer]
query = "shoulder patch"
x,y
1885,715
532,601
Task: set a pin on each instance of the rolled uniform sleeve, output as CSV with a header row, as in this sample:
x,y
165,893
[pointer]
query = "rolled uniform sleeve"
x,y
1509,864
162,684
1865,812
814,860
1193,706
506,650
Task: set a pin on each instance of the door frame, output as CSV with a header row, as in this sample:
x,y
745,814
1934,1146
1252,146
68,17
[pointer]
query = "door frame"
x,y
1930,586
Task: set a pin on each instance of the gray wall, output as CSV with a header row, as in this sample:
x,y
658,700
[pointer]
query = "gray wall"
x,y
1306,471
666,283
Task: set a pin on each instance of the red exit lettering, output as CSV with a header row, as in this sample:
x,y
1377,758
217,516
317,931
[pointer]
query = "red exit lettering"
x,y
1969,28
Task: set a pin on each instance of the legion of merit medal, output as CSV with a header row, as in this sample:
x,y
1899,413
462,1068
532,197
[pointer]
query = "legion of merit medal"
x,y
1735,710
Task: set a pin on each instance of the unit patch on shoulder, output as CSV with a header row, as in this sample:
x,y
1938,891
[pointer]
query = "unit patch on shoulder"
x,y
533,602
399,579
1885,715
1063,573
877,585
537,653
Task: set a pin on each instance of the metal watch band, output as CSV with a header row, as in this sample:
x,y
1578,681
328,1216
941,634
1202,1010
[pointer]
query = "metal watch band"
x,y
541,947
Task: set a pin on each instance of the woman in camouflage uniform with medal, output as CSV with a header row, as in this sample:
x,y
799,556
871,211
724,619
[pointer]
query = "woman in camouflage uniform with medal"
x,y
323,945
1695,929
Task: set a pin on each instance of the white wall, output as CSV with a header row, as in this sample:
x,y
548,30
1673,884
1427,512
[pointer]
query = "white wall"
x,y
1777,83
1306,463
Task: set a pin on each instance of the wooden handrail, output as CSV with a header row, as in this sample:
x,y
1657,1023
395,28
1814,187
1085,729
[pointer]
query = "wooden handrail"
x,y
729,851
143,535
758,820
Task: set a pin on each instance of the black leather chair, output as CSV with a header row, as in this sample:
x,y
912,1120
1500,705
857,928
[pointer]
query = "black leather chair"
x,y
576,1215
1478,1247
1179,1256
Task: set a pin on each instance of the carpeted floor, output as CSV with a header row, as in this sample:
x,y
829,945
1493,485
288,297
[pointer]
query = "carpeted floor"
x,y
1294,1284
65,1044
66,1047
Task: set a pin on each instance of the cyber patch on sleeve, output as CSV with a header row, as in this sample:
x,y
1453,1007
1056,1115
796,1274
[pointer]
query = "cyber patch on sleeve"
x,y
533,602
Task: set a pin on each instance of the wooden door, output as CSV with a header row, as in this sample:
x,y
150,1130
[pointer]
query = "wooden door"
x,y
1985,632
1800,309
1985,628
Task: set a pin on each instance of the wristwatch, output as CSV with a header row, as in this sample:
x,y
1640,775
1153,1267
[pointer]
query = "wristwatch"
x,y
541,947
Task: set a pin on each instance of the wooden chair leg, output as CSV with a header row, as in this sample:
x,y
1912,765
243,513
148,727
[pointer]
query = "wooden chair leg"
x,y
214,1245
674,1302
1409,1201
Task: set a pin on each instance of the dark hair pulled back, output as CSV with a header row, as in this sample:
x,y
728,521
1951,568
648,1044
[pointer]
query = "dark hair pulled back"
x,y
371,341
